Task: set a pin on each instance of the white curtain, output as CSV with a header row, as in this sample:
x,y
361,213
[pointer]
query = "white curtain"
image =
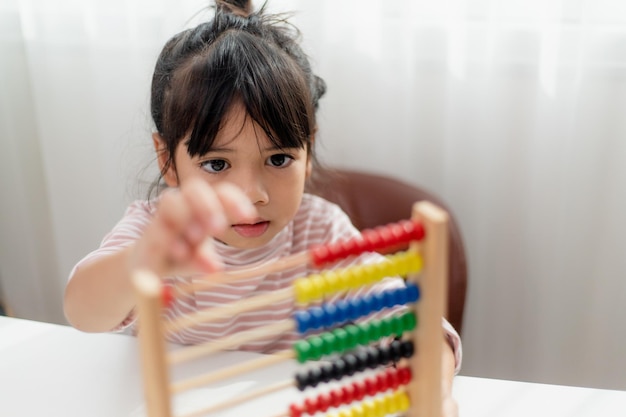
x,y
510,110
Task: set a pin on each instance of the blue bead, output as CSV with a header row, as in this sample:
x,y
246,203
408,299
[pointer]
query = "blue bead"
x,y
369,305
379,301
390,298
331,313
317,317
412,292
359,308
400,296
343,311
354,309
303,321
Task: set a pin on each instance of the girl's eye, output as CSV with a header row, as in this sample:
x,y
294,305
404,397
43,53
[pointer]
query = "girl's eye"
x,y
214,165
280,160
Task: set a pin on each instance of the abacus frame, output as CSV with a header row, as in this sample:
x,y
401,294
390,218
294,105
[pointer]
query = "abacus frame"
x,y
424,389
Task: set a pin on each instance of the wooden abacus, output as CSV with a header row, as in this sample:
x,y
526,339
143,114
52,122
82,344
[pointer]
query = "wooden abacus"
x,y
411,388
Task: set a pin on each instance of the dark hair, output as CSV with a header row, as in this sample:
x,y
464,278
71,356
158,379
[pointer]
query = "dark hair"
x,y
237,55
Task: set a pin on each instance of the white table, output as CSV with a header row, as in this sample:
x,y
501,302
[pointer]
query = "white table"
x,y
52,370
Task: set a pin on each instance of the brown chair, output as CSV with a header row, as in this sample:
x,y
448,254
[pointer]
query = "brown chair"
x,y
372,200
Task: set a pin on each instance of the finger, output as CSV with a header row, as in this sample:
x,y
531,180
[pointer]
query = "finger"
x,y
208,212
174,217
235,201
173,212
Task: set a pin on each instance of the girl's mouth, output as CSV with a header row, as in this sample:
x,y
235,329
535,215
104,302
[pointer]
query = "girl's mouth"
x,y
251,229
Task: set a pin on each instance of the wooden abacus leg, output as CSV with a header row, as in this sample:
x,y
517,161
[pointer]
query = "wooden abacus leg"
x,y
425,389
152,343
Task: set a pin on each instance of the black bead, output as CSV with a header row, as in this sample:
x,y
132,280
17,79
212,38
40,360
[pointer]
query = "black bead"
x,y
373,358
327,372
351,364
361,357
315,376
407,349
339,369
302,380
396,351
385,355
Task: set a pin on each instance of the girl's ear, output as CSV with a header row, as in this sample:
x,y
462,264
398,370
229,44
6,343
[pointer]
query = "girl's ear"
x,y
163,156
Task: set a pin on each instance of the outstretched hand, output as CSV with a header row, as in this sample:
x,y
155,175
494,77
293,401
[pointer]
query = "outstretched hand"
x,y
178,239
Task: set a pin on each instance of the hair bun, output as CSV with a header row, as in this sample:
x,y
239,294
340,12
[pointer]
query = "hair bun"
x,y
243,7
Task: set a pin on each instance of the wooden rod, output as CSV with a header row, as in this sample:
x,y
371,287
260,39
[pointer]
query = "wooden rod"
x,y
232,371
229,310
240,399
234,340
152,344
264,268
425,389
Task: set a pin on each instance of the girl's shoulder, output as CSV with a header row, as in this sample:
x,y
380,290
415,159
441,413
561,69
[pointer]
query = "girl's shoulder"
x,y
318,216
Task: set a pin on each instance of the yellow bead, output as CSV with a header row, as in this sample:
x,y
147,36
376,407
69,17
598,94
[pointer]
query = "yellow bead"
x,y
344,279
318,287
357,411
378,272
369,409
345,413
302,288
416,263
403,402
388,268
380,406
333,283
369,274
392,403
353,277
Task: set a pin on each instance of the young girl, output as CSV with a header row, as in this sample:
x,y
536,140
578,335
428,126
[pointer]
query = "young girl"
x,y
233,102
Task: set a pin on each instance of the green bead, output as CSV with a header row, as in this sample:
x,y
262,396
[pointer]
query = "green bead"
x,y
353,336
330,343
409,321
366,333
375,330
385,327
317,347
342,339
395,326
303,350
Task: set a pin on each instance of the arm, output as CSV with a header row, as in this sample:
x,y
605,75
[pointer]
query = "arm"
x,y
100,296
449,408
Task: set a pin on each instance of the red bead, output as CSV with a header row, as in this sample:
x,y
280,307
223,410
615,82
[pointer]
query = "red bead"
x,y
394,382
404,374
167,296
319,255
336,397
323,401
383,381
359,390
372,240
418,231
398,233
350,247
348,393
295,410
371,387
335,251
385,236
311,405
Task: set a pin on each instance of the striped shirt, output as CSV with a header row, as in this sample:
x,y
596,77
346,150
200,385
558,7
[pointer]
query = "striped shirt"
x,y
317,222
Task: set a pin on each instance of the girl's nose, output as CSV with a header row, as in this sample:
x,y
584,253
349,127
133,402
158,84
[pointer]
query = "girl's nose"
x,y
253,185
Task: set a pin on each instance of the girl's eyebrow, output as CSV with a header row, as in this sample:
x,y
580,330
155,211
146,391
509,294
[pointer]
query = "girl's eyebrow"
x,y
220,149
279,148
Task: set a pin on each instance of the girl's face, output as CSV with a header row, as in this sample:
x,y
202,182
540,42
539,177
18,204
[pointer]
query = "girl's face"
x,y
272,178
